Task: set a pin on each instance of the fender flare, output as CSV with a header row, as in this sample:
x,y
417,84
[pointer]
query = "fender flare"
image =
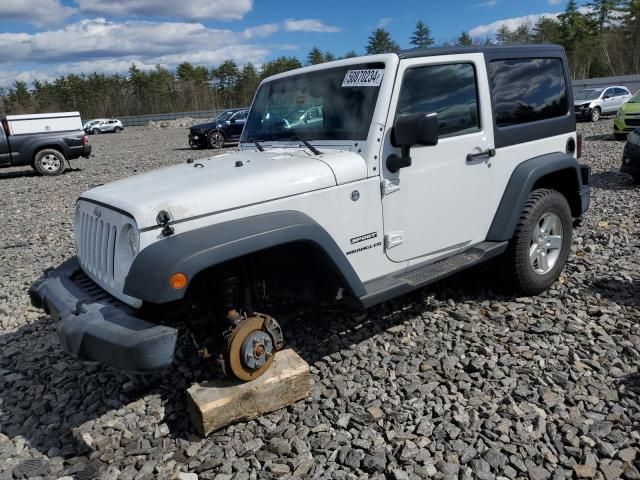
x,y
197,250
36,146
522,182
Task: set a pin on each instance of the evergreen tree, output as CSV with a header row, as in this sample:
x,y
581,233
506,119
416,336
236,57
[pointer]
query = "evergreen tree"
x,y
465,40
279,65
601,10
504,35
329,57
315,56
546,30
421,36
350,54
381,42
248,84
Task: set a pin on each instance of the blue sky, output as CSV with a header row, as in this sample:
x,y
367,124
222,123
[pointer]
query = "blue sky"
x,y
42,39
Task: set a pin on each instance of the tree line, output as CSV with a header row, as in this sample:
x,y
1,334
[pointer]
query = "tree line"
x,y
602,40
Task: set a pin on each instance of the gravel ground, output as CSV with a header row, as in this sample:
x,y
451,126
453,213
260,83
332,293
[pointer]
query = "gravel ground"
x,y
454,381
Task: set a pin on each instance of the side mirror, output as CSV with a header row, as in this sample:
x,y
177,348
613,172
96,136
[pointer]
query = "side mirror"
x,y
233,120
410,130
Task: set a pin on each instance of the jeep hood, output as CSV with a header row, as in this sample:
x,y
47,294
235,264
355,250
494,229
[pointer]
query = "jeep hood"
x,y
227,181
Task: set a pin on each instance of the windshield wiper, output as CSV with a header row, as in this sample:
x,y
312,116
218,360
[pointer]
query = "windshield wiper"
x,y
258,146
313,149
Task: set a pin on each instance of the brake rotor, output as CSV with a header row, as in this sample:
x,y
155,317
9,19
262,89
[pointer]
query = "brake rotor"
x,y
251,348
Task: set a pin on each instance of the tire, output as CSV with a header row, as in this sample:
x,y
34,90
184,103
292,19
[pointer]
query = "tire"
x,y
117,130
526,269
96,131
49,162
620,136
595,114
636,179
216,139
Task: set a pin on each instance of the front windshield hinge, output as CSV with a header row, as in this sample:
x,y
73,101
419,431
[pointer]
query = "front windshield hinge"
x,y
389,186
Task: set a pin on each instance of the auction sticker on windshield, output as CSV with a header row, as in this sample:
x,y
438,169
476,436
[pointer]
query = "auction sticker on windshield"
x,y
363,78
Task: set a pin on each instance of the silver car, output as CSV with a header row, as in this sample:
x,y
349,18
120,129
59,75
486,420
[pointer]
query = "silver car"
x,y
103,125
592,102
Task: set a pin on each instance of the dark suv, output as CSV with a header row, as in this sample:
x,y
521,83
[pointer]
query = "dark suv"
x,y
226,127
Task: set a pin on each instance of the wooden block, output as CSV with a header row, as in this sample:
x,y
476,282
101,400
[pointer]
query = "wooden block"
x,y
216,404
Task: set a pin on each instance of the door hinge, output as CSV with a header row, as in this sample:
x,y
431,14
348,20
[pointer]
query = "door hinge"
x,y
393,239
389,186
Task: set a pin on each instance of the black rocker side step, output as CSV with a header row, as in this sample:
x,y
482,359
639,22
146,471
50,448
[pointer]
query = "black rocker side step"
x,y
385,288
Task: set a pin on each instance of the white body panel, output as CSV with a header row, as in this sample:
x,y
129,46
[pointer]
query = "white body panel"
x,y
217,185
44,122
433,215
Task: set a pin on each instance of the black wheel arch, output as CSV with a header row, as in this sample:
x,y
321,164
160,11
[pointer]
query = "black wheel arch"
x,y
197,251
558,171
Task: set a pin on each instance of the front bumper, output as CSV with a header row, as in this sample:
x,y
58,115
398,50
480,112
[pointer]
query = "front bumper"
x,y
583,113
93,325
631,159
626,123
198,138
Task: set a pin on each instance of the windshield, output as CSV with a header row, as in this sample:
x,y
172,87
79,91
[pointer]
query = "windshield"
x,y
332,104
588,94
224,116
635,98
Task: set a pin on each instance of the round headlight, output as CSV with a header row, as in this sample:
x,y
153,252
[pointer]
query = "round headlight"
x,y
134,240
127,247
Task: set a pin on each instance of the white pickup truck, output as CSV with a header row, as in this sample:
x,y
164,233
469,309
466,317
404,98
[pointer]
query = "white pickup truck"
x,y
416,165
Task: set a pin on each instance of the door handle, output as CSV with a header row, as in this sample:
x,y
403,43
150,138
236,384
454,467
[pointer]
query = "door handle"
x,y
490,152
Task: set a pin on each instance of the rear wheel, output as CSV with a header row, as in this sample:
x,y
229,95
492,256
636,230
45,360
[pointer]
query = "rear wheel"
x,y
216,139
49,162
117,129
595,114
96,131
541,242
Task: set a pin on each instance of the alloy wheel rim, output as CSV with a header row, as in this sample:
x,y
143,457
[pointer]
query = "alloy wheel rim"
x,y
50,163
216,140
545,243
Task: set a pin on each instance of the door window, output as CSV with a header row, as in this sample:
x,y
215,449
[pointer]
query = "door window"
x,y
448,90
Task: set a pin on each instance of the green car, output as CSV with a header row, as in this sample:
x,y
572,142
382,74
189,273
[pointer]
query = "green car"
x,y
628,118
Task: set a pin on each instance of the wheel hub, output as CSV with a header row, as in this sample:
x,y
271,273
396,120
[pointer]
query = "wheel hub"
x,y
251,347
546,243
256,349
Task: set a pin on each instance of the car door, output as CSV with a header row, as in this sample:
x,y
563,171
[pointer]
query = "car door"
x,y
438,204
609,101
5,152
236,125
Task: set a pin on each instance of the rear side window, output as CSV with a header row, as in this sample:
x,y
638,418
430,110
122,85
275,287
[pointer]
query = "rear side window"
x,y
448,90
528,90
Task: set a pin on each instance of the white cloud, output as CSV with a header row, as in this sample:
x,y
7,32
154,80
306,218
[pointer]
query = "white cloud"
x,y
383,22
36,12
308,25
490,29
487,4
185,9
104,46
555,2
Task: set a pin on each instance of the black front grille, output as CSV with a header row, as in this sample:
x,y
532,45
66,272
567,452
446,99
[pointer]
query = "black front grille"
x,y
93,292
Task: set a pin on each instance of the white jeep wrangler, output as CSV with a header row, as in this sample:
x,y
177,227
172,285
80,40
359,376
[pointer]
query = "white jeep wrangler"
x,y
414,166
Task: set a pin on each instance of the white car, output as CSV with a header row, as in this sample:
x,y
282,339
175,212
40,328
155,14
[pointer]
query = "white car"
x,y
590,103
375,198
103,125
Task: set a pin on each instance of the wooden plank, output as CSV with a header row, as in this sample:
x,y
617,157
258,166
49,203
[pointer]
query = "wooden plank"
x,y
218,403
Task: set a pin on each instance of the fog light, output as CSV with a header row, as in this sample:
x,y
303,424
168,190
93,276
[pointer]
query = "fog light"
x,y
178,281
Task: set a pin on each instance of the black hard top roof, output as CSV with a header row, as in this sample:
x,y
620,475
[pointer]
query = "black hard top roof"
x,y
542,49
